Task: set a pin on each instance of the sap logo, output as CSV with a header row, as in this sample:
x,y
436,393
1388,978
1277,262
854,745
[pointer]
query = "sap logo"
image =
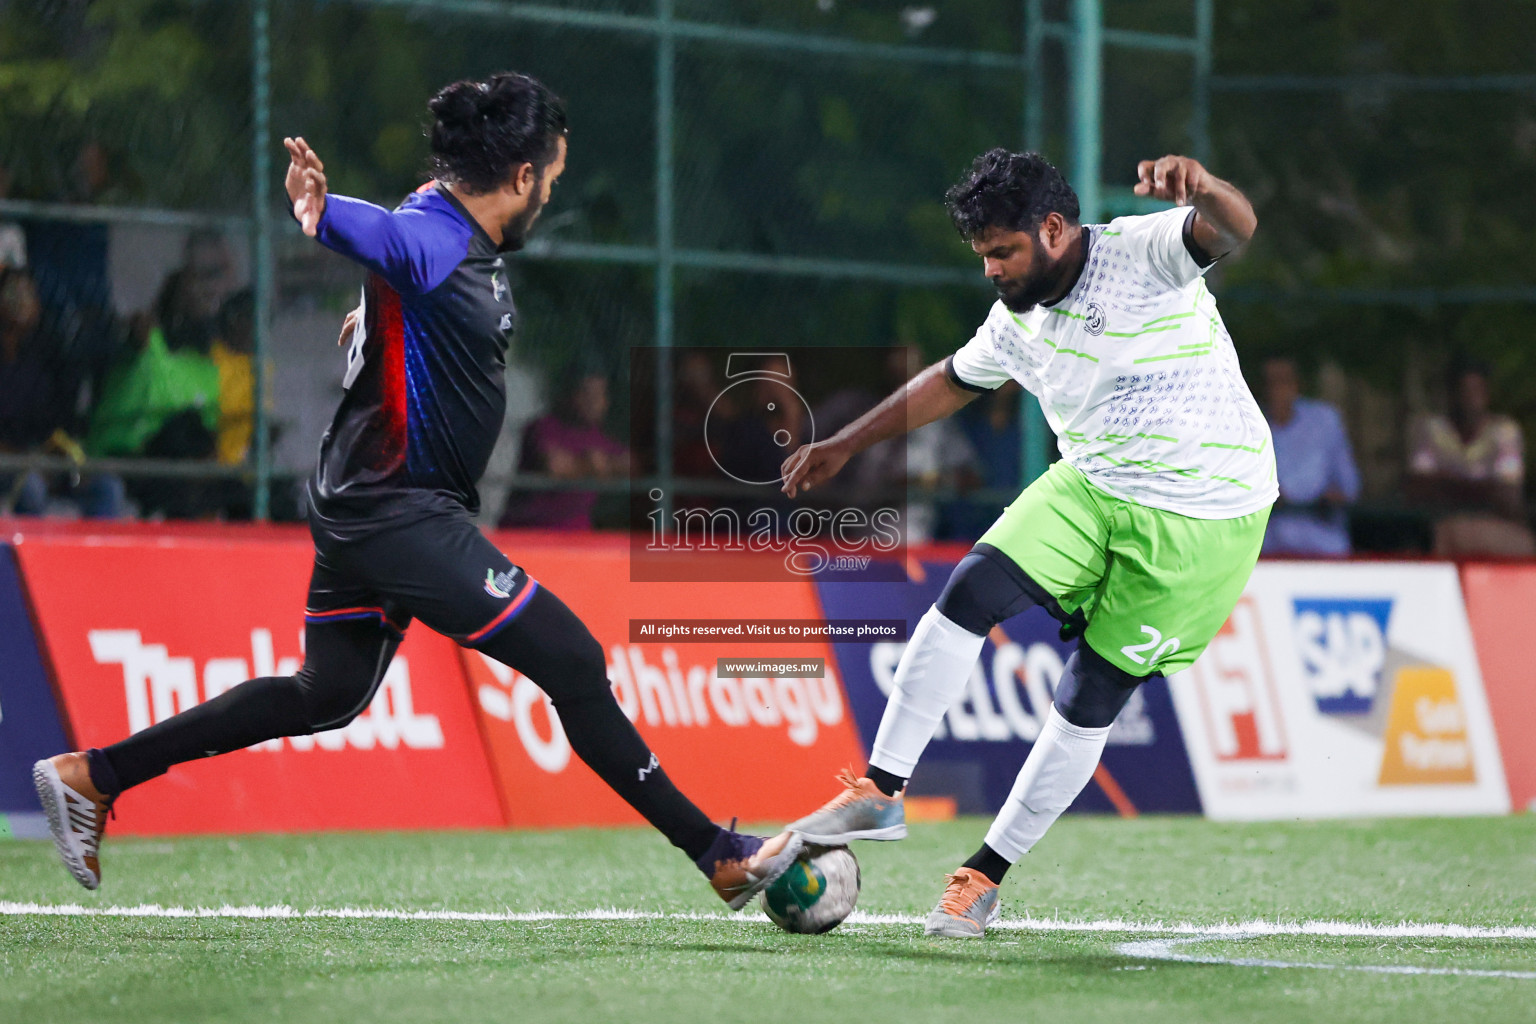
x,y
1235,685
158,685
1012,703
1342,645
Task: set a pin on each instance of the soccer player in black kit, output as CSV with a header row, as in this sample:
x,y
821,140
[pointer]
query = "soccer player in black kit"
x,y
392,497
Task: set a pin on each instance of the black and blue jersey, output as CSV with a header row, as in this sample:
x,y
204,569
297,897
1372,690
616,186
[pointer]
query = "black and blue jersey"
x,y
425,382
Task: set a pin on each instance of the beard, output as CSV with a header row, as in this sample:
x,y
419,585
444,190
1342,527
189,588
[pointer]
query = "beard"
x,y
514,233
1039,282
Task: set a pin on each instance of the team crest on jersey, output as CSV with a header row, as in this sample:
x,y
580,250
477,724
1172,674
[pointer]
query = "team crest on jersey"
x,y
1094,322
500,584
506,321
498,286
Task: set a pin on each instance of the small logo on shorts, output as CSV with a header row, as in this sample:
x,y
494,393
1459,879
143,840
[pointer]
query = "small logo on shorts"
x,y
500,584
1093,323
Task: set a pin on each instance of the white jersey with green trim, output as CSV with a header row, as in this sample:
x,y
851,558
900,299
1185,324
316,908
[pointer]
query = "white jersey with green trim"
x,y
1137,375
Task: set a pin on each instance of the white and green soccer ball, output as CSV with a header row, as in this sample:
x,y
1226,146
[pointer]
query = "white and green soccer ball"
x,y
817,892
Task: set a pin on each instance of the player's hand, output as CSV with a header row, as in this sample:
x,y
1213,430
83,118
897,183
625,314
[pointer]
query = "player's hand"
x,y
1175,179
348,326
811,464
306,184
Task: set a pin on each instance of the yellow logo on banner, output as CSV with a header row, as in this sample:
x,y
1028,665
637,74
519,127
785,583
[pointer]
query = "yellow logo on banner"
x,y
1426,738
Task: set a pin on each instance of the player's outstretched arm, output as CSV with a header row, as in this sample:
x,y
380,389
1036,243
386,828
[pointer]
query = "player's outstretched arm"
x,y
1224,217
926,397
410,249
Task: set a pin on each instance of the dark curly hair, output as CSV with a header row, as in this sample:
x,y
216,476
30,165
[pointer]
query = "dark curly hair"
x,y
1012,191
481,131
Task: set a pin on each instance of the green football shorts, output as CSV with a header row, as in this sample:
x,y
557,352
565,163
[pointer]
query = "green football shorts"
x,y
1154,586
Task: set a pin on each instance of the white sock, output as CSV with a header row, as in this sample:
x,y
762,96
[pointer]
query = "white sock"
x,y
932,673
1058,767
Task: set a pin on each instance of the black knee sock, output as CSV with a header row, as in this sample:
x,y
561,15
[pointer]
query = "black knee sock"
x,y
990,863
261,709
885,782
609,744
552,647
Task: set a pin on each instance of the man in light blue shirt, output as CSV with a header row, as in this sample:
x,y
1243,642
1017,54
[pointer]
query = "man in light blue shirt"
x,y
1316,467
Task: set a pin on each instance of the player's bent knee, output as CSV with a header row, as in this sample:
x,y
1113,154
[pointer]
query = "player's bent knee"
x,y
552,647
584,672
988,587
1092,691
332,703
965,599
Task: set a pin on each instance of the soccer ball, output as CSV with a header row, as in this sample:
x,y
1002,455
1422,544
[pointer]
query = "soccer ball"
x,y
816,893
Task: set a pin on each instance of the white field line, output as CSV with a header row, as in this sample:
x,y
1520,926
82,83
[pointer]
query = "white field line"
x,y
1168,949
1232,930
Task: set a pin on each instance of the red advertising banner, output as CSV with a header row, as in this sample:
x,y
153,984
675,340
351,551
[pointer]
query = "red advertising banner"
x,y
138,628
1501,603
757,748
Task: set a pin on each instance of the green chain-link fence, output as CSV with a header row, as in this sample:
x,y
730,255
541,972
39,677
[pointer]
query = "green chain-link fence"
x,y
742,173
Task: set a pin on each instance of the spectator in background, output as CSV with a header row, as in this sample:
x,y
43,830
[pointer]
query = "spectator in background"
x,y
29,403
69,257
1469,469
939,459
696,390
69,262
992,425
35,408
879,473
913,469
1316,467
157,402
568,444
13,239
193,295
163,404
231,352
759,418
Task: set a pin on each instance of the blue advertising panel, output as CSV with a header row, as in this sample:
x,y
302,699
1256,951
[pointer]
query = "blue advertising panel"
x,y
983,740
29,714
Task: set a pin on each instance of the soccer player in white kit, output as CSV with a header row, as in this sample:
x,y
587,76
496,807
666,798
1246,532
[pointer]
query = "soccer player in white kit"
x,y
1140,539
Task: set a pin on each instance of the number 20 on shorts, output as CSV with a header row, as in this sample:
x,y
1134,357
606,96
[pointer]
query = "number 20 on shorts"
x,y
1137,652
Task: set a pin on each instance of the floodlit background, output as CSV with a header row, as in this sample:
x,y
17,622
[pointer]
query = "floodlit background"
x,y
741,174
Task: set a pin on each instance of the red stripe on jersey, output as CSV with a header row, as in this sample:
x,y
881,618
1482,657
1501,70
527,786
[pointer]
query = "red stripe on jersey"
x,y
392,413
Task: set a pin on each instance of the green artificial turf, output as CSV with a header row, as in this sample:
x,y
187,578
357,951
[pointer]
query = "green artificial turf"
x,y
1479,872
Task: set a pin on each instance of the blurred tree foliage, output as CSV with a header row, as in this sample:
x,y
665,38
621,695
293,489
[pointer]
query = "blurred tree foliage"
x,y
1379,187
162,88
788,153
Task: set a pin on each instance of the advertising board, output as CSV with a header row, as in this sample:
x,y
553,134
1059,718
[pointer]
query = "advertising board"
x,y
138,629
1340,690
1501,606
29,717
754,747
